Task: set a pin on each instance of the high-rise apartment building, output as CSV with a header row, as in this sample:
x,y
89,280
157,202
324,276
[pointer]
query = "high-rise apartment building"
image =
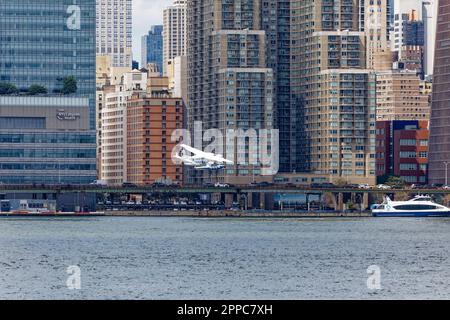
x,y
113,126
440,110
174,31
229,86
107,77
400,96
329,76
114,31
152,118
152,48
275,21
374,22
48,138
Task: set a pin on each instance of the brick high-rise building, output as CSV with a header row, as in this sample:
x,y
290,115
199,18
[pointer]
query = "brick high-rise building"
x,y
152,117
440,109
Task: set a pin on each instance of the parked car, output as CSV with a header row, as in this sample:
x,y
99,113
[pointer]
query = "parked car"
x,y
208,184
363,186
221,185
99,183
383,187
129,185
324,185
261,184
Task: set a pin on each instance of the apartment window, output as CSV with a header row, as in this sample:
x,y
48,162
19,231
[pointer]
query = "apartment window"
x,y
407,142
407,154
408,166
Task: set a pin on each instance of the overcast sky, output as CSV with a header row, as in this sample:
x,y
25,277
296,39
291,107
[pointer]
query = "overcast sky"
x,y
145,14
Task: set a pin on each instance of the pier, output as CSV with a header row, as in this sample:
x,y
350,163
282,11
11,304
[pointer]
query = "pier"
x,y
91,198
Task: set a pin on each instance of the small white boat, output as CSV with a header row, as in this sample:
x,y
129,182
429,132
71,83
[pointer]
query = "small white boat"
x,y
419,206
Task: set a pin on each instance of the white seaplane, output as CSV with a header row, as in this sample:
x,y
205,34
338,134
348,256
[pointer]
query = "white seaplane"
x,y
200,160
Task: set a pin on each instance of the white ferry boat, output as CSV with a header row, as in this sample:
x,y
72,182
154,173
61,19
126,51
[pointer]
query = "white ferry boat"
x,y
419,206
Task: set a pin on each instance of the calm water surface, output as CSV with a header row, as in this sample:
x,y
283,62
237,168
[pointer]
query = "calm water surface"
x,y
188,258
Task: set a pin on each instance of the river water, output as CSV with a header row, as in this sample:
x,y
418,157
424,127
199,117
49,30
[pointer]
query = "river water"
x,y
200,258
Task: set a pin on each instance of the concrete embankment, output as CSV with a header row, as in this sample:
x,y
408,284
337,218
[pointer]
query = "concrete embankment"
x,y
242,214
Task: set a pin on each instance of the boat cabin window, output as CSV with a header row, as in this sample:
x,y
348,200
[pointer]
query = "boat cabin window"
x,y
422,199
412,207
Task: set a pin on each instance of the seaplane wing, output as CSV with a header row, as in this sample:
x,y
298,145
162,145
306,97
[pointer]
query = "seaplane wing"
x,y
207,157
191,150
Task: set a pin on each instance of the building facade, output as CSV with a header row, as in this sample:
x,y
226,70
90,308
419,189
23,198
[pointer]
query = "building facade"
x,y
402,150
229,87
152,118
46,139
374,22
401,96
113,126
55,40
440,110
176,72
43,43
152,48
329,76
174,32
114,31
275,21
429,17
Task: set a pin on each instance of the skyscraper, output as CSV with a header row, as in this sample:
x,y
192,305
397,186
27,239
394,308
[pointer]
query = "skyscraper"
x,y
374,22
174,31
48,138
229,86
275,21
114,31
329,76
152,47
404,11
440,109
429,17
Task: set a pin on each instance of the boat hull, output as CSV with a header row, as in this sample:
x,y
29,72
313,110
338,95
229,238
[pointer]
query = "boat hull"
x,y
412,214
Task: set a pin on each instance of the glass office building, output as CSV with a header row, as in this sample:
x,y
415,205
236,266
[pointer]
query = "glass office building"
x,y
43,41
152,47
49,138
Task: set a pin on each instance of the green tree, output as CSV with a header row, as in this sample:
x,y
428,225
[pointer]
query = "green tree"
x,y
394,181
340,182
37,89
69,85
8,88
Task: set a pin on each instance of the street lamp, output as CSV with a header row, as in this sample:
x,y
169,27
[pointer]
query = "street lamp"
x,y
446,163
